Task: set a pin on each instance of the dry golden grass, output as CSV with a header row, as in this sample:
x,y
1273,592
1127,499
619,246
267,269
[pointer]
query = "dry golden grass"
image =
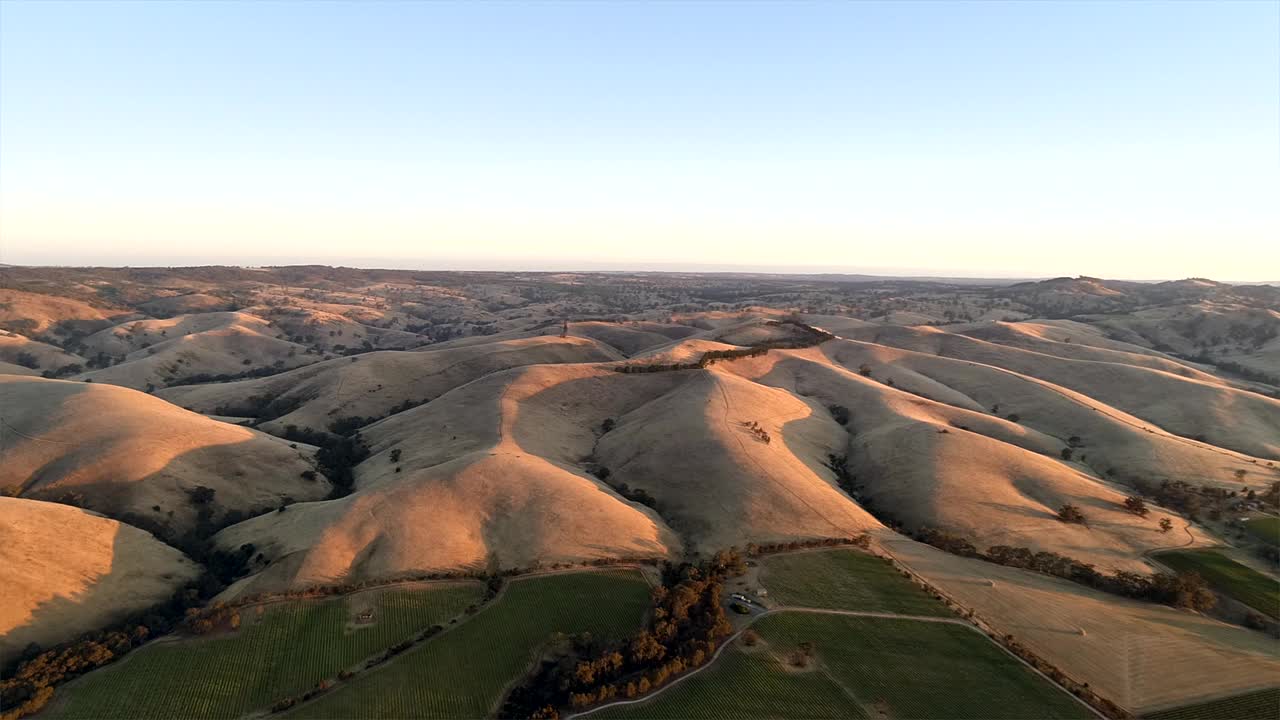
x,y
65,571
372,384
1140,655
123,452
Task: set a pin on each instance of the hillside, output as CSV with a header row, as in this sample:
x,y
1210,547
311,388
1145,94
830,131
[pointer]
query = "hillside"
x,y
135,457
370,386
51,590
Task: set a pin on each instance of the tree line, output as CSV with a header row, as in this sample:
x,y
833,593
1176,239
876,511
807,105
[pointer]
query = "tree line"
x,y
686,625
1187,590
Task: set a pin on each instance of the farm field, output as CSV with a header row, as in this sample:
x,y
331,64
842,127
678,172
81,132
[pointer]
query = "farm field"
x,y
861,667
284,651
1266,529
1261,705
1240,582
464,672
845,580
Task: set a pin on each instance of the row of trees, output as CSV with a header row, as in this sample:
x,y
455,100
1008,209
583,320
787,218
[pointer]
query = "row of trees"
x,y
1183,590
809,336
685,627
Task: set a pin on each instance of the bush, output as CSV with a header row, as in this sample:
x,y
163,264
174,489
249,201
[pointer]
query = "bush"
x,y
1071,514
1137,506
27,360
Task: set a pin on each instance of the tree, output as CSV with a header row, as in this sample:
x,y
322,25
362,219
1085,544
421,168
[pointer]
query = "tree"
x,y
201,495
1136,505
1071,514
27,360
864,370
1165,525
1066,454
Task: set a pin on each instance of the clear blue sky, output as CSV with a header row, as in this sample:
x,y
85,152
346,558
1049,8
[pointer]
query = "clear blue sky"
x,y
1136,140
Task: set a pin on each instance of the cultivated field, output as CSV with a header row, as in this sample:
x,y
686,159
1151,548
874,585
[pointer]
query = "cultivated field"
x,y
281,650
861,667
464,672
1240,582
844,580
1141,655
1261,705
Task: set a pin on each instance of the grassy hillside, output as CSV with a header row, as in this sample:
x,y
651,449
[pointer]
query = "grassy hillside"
x,y
844,580
1240,582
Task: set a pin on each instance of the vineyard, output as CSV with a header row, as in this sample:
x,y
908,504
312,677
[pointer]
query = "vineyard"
x,y
1261,705
283,651
845,580
1221,572
745,684
464,672
861,667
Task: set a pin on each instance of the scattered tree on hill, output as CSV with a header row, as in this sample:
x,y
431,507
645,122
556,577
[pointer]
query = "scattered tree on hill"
x,y
1071,514
864,370
1136,505
1165,524
27,360
201,495
1066,454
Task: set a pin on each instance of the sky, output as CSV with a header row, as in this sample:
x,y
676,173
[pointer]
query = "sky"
x,y
1134,140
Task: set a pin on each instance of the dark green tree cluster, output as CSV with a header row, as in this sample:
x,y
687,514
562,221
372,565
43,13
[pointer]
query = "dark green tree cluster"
x,y
685,627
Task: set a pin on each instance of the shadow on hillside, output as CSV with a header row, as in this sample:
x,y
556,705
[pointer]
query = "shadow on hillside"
x,y
102,591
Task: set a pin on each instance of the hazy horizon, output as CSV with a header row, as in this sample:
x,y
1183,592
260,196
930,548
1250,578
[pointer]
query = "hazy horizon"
x,y
989,140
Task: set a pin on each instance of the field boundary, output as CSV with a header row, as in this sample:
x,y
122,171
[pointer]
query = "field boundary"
x,y
1207,699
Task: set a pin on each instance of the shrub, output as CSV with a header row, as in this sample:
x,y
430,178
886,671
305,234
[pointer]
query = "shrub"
x,y
1071,514
1137,506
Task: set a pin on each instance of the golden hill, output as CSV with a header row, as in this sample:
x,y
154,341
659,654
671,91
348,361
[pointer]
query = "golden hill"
x,y
372,385
52,588
130,455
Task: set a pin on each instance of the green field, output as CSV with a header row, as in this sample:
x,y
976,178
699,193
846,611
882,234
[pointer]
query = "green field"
x,y
283,652
464,672
862,666
1266,529
1221,572
844,580
1260,705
